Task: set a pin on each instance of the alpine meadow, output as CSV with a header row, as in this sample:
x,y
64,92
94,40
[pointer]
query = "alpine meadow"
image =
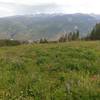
x,y
49,50
62,71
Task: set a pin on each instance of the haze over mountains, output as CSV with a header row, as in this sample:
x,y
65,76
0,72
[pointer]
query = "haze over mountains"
x,y
50,26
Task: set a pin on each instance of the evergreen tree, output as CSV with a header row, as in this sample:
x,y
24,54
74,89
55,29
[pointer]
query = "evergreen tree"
x,y
77,34
95,33
73,36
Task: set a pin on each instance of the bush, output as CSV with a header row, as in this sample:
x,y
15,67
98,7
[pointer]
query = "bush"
x,y
9,43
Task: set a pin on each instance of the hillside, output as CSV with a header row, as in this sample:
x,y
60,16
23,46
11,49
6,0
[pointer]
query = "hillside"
x,y
50,26
61,71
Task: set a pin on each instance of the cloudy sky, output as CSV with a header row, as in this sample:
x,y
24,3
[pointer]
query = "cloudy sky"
x,y
20,7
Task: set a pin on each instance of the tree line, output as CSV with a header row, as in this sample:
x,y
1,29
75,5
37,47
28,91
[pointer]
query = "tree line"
x,y
71,36
94,34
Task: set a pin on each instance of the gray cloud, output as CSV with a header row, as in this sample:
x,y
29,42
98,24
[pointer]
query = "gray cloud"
x,y
20,9
63,6
47,8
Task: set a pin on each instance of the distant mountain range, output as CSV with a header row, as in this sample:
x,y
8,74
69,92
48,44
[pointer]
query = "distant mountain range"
x,y
50,26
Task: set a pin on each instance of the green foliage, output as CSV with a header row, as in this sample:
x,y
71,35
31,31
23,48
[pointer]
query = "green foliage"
x,y
43,40
66,71
9,43
95,33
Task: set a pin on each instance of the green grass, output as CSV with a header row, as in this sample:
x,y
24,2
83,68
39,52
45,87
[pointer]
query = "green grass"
x,y
61,71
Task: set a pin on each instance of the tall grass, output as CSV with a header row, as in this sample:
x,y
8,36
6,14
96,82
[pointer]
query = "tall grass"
x,y
62,71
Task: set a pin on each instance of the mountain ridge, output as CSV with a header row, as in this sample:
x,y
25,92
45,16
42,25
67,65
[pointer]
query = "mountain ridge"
x,y
50,26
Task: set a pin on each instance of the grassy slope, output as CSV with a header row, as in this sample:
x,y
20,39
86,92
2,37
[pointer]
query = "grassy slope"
x,y
66,71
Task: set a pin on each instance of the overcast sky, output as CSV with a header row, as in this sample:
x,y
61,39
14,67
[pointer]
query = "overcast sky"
x,y
20,7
